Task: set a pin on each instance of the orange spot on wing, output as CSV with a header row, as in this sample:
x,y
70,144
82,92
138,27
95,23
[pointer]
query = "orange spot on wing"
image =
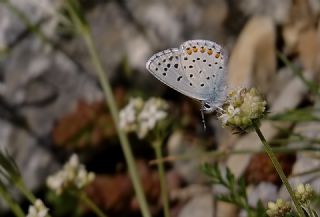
x,y
217,55
210,52
202,49
189,51
195,49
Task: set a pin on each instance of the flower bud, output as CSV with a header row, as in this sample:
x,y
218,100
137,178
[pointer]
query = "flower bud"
x,y
280,208
304,193
243,109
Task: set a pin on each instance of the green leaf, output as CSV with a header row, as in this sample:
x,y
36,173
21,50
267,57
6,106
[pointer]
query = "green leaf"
x,y
297,115
242,187
260,210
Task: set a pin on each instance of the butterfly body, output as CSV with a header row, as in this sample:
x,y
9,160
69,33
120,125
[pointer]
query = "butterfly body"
x,y
196,69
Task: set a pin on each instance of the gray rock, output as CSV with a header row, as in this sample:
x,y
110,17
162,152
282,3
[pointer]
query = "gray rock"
x,y
264,191
11,25
199,206
188,169
279,11
41,87
45,86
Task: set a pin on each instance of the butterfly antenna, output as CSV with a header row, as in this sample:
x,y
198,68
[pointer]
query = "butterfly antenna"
x,y
203,120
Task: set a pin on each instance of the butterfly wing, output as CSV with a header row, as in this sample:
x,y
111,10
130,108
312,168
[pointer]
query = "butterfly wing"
x,y
166,66
204,63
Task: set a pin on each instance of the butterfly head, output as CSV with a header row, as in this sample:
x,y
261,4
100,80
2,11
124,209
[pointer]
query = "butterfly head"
x,y
209,107
215,102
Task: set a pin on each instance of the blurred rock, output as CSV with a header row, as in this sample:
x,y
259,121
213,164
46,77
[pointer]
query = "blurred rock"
x,y
38,88
226,209
59,85
200,206
188,192
253,58
34,161
10,24
315,7
160,18
170,22
181,144
264,192
116,194
88,126
260,168
279,11
308,48
301,18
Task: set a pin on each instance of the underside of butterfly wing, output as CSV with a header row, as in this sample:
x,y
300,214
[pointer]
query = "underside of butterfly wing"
x,y
166,66
204,63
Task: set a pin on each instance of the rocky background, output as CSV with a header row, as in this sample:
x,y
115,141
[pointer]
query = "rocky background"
x,y
47,93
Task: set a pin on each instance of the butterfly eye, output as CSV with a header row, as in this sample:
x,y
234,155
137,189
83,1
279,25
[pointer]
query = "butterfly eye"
x,y
207,106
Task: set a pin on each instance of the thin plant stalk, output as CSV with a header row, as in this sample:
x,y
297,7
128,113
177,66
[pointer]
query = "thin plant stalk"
x,y
307,172
24,18
219,153
91,205
83,29
157,146
14,206
279,170
133,172
314,87
25,191
310,211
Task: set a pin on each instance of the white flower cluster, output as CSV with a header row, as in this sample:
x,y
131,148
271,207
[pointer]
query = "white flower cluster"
x,y
304,193
141,117
128,115
37,210
280,208
73,175
243,108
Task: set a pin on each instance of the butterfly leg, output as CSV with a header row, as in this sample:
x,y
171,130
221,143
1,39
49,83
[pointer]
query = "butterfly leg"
x,y
220,109
202,116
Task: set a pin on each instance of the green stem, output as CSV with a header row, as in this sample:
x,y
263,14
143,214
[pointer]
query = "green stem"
x,y
91,205
16,209
310,211
157,145
279,170
307,172
24,18
25,191
114,112
314,87
217,154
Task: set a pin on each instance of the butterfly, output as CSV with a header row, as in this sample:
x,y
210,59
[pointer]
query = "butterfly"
x,y
197,69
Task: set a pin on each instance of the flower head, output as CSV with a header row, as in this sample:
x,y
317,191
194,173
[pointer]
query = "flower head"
x,y
304,194
128,115
280,208
141,117
73,175
242,109
154,110
38,209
